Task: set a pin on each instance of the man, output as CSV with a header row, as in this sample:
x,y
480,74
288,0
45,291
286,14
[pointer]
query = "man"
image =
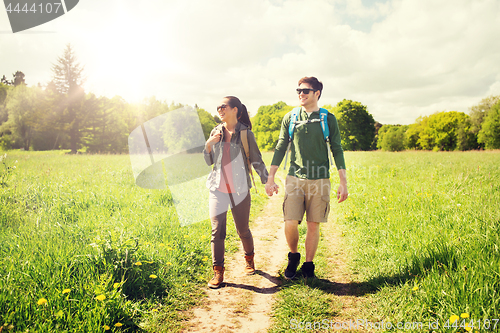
x,y
307,186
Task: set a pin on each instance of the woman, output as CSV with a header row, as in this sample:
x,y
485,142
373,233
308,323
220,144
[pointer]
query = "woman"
x,y
229,182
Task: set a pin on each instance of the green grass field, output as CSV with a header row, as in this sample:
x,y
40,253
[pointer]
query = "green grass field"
x,y
84,249
422,230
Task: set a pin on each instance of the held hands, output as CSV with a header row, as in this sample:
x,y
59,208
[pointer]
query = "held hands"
x,y
271,188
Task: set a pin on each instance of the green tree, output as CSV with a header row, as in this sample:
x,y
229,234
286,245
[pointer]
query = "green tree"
x,y
23,112
266,124
357,126
478,112
68,80
489,135
392,137
106,126
374,145
207,121
466,138
439,131
18,78
4,89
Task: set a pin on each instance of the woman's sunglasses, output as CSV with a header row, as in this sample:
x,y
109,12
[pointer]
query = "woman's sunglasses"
x,y
305,91
221,107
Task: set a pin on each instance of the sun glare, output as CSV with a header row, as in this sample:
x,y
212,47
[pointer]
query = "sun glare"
x,y
129,54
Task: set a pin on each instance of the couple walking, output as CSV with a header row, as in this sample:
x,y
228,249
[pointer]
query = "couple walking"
x,y
232,149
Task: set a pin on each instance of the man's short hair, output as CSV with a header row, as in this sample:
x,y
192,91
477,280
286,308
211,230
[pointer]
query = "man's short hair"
x,y
313,82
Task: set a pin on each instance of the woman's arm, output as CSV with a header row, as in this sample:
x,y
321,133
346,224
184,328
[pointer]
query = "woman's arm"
x,y
215,136
256,158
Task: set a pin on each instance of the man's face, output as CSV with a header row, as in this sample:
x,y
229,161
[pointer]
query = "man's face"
x,y
308,99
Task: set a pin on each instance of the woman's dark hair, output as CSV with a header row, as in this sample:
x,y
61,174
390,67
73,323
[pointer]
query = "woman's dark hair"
x,y
242,115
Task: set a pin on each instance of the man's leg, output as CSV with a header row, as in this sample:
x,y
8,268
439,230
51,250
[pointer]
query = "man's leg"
x,y
312,240
292,238
292,234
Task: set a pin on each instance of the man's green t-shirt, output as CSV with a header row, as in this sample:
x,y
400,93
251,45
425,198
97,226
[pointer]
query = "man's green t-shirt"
x,y
309,151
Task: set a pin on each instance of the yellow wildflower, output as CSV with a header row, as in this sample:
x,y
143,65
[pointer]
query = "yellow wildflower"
x,y
205,258
42,301
116,285
118,325
153,276
467,327
169,263
161,244
106,327
101,297
415,288
66,291
454,318
464,315
138,263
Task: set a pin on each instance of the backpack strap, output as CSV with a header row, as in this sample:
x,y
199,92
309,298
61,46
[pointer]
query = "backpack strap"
x,y
323,115
291,128
246,148
293,122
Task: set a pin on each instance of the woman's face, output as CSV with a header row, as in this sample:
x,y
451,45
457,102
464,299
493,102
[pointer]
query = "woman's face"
x,y
225,111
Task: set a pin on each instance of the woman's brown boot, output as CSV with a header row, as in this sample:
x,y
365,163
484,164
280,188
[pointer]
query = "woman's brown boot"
x,y
250,265
218,277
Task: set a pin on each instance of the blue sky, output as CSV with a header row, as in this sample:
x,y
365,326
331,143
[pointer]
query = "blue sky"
x,y
402,59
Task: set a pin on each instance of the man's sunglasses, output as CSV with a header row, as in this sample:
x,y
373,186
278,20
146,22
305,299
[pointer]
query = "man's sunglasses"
x,y
305,91
221,107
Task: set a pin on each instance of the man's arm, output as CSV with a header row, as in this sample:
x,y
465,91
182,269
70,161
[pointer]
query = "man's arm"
x,y
342,193
279,153
271,185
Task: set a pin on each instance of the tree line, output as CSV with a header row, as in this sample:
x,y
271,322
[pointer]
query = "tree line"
x,y
441,131
447,130
62,115
357,126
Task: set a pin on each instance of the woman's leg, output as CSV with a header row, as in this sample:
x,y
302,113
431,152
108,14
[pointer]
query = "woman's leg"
x,y
218,205
241,215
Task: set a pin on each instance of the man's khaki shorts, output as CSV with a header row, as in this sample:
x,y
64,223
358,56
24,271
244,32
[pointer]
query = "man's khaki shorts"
x,y
311,196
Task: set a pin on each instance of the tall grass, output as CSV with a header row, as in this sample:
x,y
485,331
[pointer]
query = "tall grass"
x,y
84,249
422,232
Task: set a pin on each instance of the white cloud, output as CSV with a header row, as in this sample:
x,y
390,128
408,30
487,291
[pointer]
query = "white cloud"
x,y
407,58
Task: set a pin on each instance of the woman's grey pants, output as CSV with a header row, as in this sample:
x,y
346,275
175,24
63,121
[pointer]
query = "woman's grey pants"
x,y
218,206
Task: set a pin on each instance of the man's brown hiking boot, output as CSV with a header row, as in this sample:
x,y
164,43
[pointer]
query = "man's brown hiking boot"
x,y
218,277
250,265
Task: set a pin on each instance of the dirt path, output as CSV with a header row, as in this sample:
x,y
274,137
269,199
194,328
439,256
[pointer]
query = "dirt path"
x,y
352,295
244,303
